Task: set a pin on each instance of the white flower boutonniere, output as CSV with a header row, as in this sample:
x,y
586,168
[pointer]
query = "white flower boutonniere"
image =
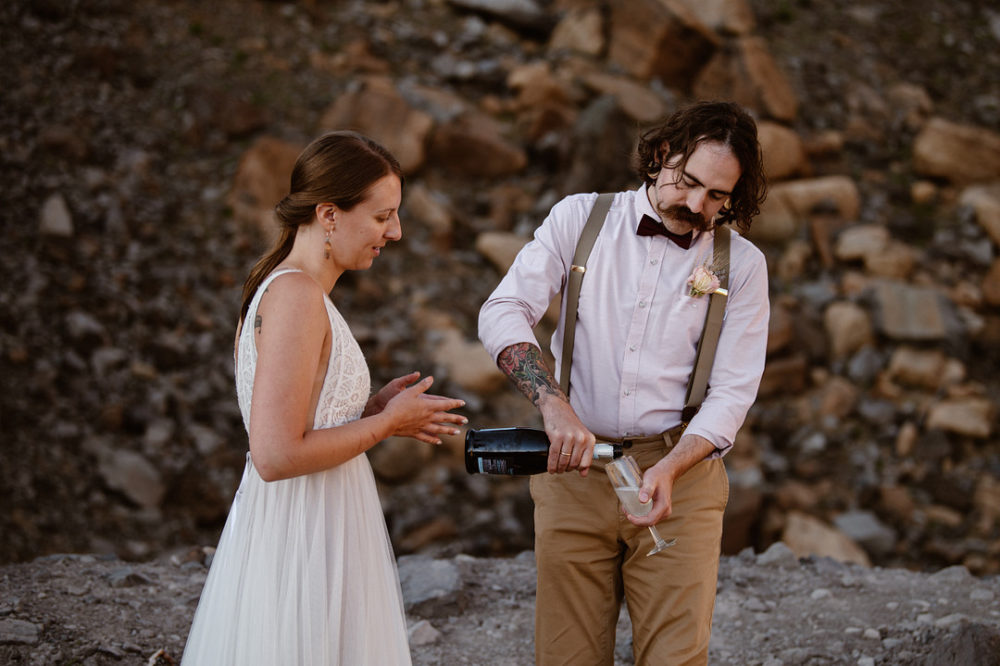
x,y
702,281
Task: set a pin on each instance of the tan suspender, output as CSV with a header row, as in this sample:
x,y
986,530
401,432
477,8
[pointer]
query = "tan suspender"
x,y
698,384
576,271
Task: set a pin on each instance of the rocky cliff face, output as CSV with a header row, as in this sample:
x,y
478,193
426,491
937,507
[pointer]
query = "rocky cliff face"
x,y
143,144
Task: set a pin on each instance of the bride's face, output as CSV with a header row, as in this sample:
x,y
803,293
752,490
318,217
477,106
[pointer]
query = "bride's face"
x,y
362,232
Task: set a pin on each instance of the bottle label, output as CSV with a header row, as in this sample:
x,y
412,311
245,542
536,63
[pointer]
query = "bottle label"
x,y
494,466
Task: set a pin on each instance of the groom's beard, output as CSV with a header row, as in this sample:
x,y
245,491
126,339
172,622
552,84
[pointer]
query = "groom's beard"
x,y
682,213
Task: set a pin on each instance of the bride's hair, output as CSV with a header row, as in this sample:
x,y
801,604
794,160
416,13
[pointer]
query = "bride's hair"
x,y
338,168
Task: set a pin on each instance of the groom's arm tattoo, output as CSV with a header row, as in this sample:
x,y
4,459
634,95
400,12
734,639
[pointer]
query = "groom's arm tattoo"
x,y
524,364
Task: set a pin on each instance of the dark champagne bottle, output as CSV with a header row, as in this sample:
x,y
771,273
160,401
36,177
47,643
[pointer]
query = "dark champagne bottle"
x,y
517,451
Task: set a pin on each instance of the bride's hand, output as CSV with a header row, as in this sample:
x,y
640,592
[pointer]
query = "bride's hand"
x,y
417,414
377,402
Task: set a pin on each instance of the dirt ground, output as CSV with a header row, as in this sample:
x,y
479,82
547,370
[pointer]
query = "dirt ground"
x,y
771,610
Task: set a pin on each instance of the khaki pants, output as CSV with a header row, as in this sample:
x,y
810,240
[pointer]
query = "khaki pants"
x,y
590,557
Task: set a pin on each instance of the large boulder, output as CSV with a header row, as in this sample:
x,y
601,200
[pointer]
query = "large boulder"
x,y
474,145
806,535
375,108
745,72
261,181
956,152
659,39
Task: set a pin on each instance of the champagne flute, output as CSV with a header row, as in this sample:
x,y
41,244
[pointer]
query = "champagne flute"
x,y
626,478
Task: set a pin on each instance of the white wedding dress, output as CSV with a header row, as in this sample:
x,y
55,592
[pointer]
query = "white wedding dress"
x,y
304,573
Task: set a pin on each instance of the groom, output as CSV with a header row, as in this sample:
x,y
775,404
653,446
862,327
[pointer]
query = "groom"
x,y
640,317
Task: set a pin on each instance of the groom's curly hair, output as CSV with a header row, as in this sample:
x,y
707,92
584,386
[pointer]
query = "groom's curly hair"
x,y
674,140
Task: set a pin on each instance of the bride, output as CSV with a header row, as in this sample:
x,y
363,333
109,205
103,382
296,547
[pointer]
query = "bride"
x,y
304,571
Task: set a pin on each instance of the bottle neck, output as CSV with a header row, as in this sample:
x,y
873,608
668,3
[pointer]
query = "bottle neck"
x,y
605,451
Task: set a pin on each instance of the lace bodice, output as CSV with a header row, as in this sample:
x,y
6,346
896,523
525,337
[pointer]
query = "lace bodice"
x,y
347,383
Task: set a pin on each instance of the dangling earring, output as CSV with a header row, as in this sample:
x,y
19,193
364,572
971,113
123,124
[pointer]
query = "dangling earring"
x,y
326,245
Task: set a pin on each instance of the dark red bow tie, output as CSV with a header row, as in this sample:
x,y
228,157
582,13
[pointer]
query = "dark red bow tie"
x,y
650,227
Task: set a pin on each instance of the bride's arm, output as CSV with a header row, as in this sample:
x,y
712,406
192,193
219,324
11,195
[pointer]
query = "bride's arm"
x,y
290,329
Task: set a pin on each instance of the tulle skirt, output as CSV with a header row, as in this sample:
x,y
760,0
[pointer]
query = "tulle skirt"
x,y
304,574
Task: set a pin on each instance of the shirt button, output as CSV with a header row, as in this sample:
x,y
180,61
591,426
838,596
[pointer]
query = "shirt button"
x,y
631,348
653,262
642,304
627,392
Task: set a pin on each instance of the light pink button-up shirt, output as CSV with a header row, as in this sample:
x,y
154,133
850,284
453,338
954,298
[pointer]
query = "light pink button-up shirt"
x,y
637,328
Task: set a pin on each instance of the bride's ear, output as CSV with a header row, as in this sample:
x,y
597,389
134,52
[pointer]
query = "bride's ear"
x,y
326,215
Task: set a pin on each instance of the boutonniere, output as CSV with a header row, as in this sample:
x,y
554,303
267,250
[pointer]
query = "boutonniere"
x,y
702,281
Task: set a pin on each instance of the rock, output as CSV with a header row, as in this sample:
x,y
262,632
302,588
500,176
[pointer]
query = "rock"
x,y
906,312
776,223
806,536
743,507
838,398
423,633
732,17
659,39
473,146
910,103
55,219
431,588
581,29
397,459
926,368
867,530
206,440
790,203
969,643
794,260
785,375
500,248
378,110
636,100
232,112
897,502
864,366
896,261
133,475
536,85
972,417
467,364
805,196
957,152
523,14
262,180
782,150
19,632
158,432
861,241
778,555
848,328
986,501
84,326
602,129
745,72
780,329
431,208
64,140
127,577
437,529
923,192
543,100
984,200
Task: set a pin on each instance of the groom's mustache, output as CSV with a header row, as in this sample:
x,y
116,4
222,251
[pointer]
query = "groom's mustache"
x,y
682,213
